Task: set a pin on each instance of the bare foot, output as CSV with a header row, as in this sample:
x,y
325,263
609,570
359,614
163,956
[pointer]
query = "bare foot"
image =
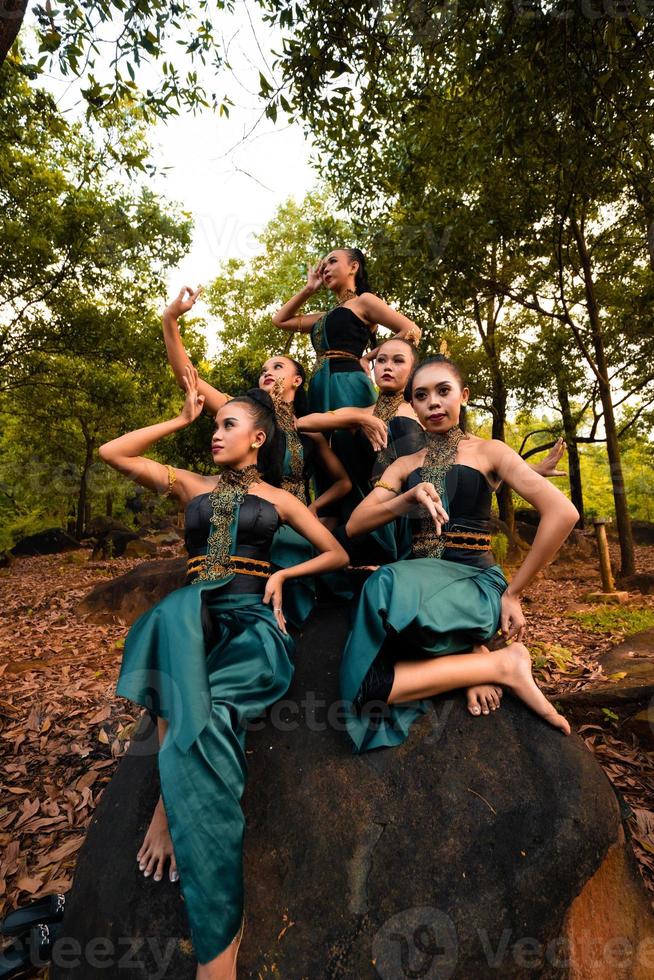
x,y
521,682
483,698
157,847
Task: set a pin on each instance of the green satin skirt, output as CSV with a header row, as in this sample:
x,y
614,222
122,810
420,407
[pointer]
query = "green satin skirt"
x,y
209,662
435,607
299,595
339,389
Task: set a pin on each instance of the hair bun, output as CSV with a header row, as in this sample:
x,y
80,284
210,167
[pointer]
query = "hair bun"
x,y
262,397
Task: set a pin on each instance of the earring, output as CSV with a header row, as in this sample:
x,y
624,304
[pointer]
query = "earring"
x,y
253,445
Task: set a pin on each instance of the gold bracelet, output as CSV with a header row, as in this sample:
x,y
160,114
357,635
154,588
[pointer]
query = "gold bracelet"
x,y
172,477
385,486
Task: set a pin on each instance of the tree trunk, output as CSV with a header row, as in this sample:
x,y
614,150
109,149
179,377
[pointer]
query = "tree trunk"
x,y
12,13
80,526
622,517
570,432
109,505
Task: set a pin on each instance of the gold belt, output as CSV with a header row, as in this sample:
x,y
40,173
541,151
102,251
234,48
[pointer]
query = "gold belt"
x,y
348,355
463,540
237,564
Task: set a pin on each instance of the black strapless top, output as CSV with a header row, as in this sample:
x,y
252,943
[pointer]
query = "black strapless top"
x,y
469,499
405,436
341,329
257,522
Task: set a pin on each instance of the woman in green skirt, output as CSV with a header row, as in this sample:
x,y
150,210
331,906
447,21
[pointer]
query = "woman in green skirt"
x,y
305,454
340,337
213,655
421,624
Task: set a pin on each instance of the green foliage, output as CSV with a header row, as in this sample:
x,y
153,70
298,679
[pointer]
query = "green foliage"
x,y
244,295
617,620
500,547
544,654
82,270
496,162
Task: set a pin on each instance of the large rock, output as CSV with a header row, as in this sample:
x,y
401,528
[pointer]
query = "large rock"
x,y
629,671
113,543
482,847
140,548
124,598
49,542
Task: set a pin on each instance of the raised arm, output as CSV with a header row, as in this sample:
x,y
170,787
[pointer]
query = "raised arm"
x,y
558,516
375,310
177,356
125,453
285,317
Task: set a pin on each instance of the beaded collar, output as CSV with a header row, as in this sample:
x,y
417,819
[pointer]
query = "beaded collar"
x,y
230,491
293,482
387,405
439,459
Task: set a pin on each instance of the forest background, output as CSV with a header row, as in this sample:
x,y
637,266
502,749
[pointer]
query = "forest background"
x,y
494,161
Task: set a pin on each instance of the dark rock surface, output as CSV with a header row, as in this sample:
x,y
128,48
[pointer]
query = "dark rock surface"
x,y
635,658
49,542
482,847
123,599
113,543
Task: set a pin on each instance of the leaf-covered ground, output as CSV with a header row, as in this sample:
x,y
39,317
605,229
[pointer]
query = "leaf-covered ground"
x,y
62,729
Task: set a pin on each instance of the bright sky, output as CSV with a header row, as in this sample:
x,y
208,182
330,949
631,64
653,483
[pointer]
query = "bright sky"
x,y
230,174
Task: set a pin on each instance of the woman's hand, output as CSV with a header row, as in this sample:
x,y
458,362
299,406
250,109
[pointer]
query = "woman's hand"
x,y
184,302
314,277
273,594
512,619
548,466
375,431
425,495
194,400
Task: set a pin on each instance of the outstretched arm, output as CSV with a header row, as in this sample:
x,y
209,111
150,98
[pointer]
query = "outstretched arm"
x,y
125,453
347,418
177,356
285,317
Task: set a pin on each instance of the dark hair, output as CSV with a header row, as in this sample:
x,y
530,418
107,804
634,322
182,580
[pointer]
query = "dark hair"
x,y
454,368
361,283
414,352
271,455
301,402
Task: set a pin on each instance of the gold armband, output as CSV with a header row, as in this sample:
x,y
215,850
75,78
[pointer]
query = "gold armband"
x,y
385,486
172,477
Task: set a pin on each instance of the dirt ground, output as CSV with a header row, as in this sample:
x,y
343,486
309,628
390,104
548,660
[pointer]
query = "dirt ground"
x,y
63,730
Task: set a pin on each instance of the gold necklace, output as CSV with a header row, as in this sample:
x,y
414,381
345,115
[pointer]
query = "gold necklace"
x,y
230,491
387,405
293,482
439,459
346,295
